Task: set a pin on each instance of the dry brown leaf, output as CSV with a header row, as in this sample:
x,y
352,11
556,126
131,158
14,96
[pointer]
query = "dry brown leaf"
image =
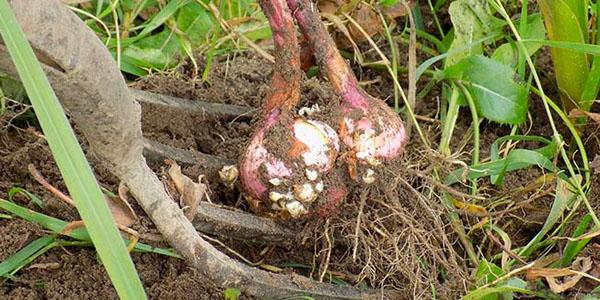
x,y
45,266
470,207
398,10
577,113
595,164
349,41
368,21
191,192
120,208
330,6
572,275
71,226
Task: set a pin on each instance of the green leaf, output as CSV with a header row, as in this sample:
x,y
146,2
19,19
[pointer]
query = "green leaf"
x,y
470,19
561,200
56,226
157,20
495,152
195,21
487,272
232,294
154,58
388,2
516,159
567,21
574,247
497,96
16,259
71,161
34,198
507,52
164,41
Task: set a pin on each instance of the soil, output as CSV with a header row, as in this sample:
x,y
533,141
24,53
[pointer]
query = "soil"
x,y
395,235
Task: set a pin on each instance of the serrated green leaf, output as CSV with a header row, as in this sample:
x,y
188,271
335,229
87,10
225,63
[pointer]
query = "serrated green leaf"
x,y
497,96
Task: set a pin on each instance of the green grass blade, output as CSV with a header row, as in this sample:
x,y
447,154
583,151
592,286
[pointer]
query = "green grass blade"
x,y
15,261
561,199
34,198
516,159
428,63
574,247
71,161
497,179
56,226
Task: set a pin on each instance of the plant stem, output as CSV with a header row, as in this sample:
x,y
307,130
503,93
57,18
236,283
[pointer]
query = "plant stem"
x,y
555,135
475,117
285,87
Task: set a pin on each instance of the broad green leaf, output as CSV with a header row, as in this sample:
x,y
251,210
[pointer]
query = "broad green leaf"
x,y
497,96
567,21
470,19
154,58
195,22
255,31
439,74
487,272
157,20
507,52
71,161
165,41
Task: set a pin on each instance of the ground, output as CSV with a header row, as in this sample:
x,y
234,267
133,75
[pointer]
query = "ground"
x,y
395,236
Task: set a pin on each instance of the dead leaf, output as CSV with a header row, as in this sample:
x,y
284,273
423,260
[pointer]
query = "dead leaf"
x,y
571,275
120,208
578,113
45,266
368,20
398,10
470,207
595,164
330,6
191,192
71,226
339,24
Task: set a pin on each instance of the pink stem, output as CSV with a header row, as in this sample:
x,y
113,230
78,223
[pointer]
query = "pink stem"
x,y
327,56
285,87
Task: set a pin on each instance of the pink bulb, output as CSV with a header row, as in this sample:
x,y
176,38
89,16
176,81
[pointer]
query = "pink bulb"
x,y
314,148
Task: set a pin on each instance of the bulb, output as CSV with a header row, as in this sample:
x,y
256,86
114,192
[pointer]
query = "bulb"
x,y
289,178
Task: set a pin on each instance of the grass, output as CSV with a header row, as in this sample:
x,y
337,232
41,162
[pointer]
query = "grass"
x,y
71,161
489,74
